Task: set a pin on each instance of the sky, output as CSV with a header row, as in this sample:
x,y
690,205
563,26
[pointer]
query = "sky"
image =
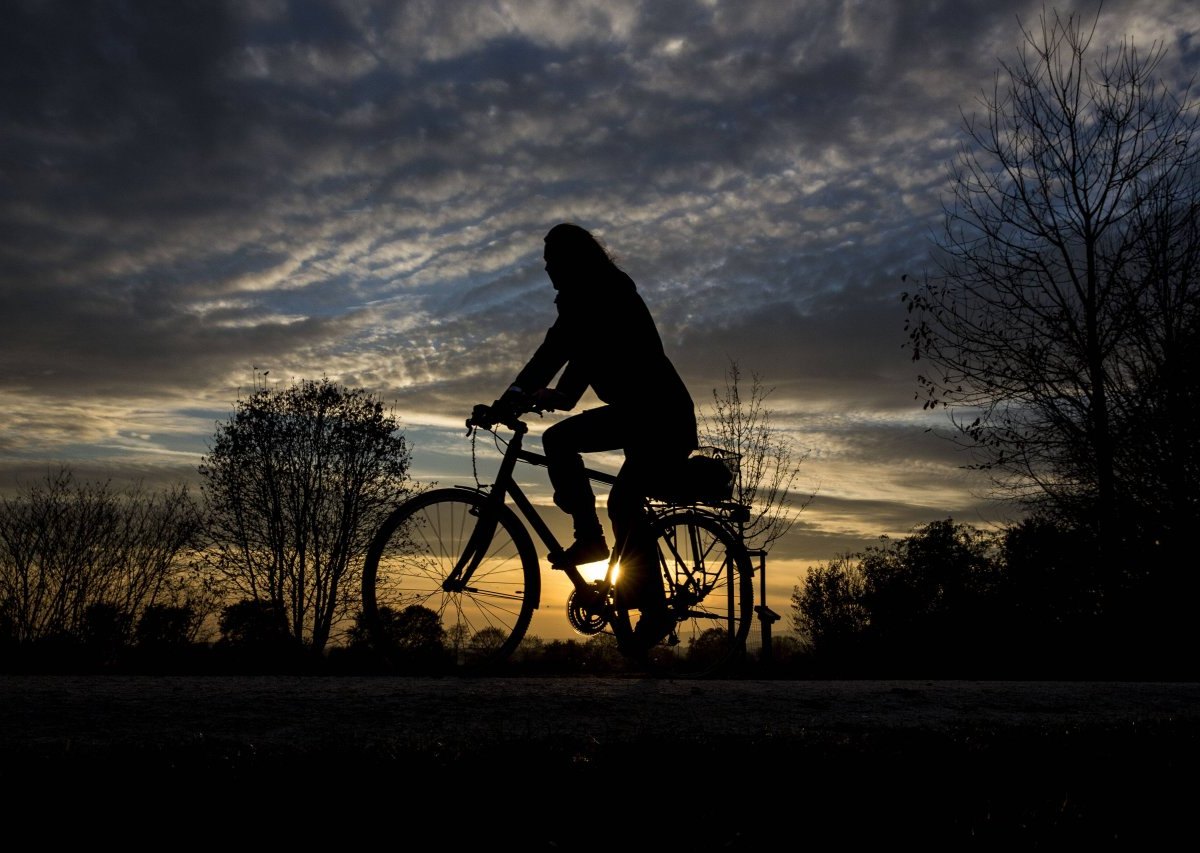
x,y
200,197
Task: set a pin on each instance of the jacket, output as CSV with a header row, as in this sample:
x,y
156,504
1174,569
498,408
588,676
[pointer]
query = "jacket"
x,y
605,338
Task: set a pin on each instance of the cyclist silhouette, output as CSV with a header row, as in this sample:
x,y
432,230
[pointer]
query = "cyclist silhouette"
x,y
605,338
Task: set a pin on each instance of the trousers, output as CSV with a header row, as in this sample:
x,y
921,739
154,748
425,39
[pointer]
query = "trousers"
x,y
655,454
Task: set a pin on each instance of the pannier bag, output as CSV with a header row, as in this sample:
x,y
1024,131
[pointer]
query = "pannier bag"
x,y
710,473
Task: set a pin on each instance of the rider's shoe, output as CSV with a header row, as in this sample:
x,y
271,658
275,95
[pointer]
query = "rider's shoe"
x,y
579,552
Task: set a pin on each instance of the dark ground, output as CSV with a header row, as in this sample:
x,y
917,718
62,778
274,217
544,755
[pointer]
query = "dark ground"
x,y
593,763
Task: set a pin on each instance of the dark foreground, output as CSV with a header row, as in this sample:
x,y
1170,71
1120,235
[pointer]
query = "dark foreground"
x,y
598,763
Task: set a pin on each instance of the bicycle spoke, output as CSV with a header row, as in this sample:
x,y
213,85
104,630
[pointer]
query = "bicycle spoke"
x,y
414,565
708,583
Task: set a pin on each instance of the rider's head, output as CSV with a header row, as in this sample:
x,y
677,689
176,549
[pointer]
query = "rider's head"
x,y
572,253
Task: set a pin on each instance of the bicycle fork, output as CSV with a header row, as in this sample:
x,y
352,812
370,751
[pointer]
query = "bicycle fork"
x,y
472,555
485,525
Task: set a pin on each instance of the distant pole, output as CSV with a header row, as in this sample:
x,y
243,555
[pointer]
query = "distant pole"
x,y
765,615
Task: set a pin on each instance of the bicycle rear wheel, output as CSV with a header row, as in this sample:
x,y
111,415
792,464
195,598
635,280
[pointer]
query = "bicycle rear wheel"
x,y
708,578
415,552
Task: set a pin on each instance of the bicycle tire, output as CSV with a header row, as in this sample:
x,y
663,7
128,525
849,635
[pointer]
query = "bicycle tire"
x,y
708,579
416,549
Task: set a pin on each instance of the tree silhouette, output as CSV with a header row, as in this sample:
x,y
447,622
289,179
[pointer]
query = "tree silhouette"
x,y
107,632
410,639
69,549
255,637
165,626
253,623
166,638
828,610
486,641
296,483
768,464
1060,324
709,648
930,594
926,604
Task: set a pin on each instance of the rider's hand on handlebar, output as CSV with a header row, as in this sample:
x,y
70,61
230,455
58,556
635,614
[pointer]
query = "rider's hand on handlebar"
x,y
512,404
500,412
481,416
514,401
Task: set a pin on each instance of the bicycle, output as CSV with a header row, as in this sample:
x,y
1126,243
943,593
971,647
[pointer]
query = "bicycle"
x,y
466,554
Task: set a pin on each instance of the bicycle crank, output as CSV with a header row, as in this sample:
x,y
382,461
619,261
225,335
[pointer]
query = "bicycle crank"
x,y
586,610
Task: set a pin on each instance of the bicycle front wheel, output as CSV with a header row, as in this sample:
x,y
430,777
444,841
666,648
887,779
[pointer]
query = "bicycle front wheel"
x,y
710,589
411,562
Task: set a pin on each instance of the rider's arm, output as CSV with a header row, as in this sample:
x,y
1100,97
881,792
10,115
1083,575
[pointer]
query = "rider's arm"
x,y
570,388
552,355
547,360
551,399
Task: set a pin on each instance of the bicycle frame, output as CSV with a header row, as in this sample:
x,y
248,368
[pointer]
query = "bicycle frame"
x,y
505,487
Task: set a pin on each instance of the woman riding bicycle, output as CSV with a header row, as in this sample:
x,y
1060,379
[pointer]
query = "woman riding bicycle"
x,y
604,337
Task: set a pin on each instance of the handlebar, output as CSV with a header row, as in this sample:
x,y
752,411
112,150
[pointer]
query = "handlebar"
x,y
486,417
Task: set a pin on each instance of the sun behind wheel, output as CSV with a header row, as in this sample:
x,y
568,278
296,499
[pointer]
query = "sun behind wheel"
x,y
709,586
407,566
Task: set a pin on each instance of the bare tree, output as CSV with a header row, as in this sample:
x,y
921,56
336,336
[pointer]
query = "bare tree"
x,y
68,548
296,483
769,466
1063,305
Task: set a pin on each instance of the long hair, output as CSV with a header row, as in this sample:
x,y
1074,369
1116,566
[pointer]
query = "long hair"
x,y
579,247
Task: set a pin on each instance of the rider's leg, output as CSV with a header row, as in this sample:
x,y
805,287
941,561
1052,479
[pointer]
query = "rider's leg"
x,y
587,432
648,469
653,465
639,585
